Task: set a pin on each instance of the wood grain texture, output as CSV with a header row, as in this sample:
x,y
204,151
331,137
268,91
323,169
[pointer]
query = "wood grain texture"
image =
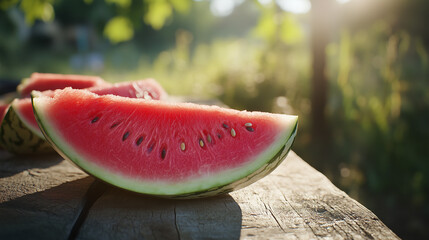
x,y
298,202
123,215
294,202
40,197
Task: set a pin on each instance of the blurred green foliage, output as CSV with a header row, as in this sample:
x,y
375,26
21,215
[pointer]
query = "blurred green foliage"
x,y
378,107
119,29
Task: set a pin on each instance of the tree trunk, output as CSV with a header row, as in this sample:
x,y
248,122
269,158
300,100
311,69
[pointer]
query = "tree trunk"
x,y
321,31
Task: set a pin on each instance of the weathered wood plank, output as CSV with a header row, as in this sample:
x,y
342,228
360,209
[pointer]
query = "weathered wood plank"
x,y
123,215
297,202
40,197
294,202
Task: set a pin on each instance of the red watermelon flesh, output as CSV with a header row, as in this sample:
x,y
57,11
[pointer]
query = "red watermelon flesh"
x,y
161,148
5,100
3,110
149,89
51,81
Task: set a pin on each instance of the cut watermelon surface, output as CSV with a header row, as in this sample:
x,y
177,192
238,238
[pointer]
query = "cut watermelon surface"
x,y
51,81
20,134
160,148
148,89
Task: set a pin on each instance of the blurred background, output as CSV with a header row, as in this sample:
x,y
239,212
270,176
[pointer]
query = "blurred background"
x,y
355,71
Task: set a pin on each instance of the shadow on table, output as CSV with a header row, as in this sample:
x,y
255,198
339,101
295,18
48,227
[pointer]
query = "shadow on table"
x,y
12,164
48,214
85,209
120,214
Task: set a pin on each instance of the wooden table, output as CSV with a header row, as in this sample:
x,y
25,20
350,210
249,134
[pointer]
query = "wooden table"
x,y
47,197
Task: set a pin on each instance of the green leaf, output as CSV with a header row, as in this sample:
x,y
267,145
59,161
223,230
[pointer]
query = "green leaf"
x,y
181,6
266,27
37,9
157,14
5,4
119,29
291,32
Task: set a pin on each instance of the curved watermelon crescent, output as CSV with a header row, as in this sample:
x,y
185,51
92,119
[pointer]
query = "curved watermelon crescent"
x,y
222,182
26,120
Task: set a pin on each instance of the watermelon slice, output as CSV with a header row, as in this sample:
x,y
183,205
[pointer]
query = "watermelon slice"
x,y
51,81
17,132
147,89
24,111
180,150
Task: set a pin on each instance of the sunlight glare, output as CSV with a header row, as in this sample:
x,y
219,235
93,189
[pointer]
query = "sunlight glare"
x,y
265,2
221,8
295,6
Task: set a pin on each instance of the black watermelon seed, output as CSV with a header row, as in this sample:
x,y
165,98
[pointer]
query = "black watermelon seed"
x,y
250,129
225,126
114,125
139,141
125,136
95,120
163,153
219,136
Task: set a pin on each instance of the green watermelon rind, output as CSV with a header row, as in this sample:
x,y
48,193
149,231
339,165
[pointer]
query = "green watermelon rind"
x,y
35,130
222,182
18,139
